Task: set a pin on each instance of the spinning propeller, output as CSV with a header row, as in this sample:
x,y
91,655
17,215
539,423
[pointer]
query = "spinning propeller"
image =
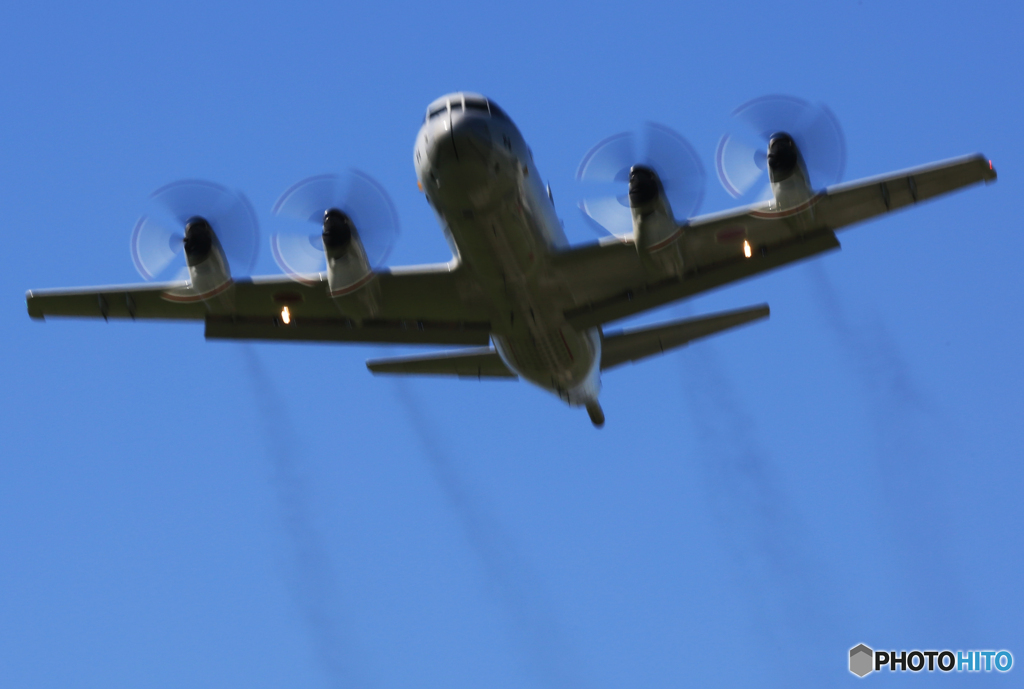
x,y
742,156
185,213
348,206
604,172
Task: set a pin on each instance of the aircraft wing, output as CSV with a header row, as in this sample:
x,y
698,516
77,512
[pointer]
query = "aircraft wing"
x,y
593,285
607,281
618,347
416,305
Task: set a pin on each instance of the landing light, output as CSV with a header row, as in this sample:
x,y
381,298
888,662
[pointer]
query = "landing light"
x,y
746,250
286,316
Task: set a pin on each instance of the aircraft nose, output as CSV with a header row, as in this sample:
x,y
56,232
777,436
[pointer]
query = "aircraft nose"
x,y
461,139
471,136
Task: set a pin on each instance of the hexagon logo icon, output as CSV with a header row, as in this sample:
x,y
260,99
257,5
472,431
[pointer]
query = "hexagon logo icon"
x,y
861,660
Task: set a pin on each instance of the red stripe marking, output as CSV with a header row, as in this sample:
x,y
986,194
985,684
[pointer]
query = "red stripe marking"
x,y
569,351
665,242
789,211
730,235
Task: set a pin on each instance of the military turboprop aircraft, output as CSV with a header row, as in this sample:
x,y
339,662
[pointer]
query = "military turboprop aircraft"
x,y
516,298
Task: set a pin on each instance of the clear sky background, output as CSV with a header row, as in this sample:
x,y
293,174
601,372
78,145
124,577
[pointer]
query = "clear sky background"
x,y
178,513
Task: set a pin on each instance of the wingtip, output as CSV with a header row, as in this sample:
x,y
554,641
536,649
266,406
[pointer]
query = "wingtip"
x,y
991,175
752,313
32,305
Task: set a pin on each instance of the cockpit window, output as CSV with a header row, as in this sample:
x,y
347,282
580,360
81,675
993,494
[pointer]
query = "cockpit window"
x,y
498,112
478,104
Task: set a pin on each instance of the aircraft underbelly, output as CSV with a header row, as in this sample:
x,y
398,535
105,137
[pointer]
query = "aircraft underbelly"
x,y
564,361
488,194
504,244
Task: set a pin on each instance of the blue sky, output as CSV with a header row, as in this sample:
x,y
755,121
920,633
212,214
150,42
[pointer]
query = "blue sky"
x,y
181,513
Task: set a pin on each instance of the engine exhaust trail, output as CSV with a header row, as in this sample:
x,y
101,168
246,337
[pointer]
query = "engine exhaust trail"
x,y
536,632
315,583
914,496
786,586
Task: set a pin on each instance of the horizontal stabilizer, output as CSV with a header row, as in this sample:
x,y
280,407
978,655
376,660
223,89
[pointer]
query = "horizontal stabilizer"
x,y
479,362
637,343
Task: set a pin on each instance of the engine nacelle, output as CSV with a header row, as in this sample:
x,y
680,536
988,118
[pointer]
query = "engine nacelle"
x,y
347,266
790,183
207,265
655,229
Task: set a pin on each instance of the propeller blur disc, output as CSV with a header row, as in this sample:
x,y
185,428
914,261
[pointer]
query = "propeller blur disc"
x,y
156,243
300,253
154,247
604,172
298,256
741,158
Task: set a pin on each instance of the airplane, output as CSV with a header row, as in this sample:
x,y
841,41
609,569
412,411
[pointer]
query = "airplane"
x,y
516,298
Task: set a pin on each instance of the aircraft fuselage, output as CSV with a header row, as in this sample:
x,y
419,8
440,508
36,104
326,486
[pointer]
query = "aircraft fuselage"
x,y
478,174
